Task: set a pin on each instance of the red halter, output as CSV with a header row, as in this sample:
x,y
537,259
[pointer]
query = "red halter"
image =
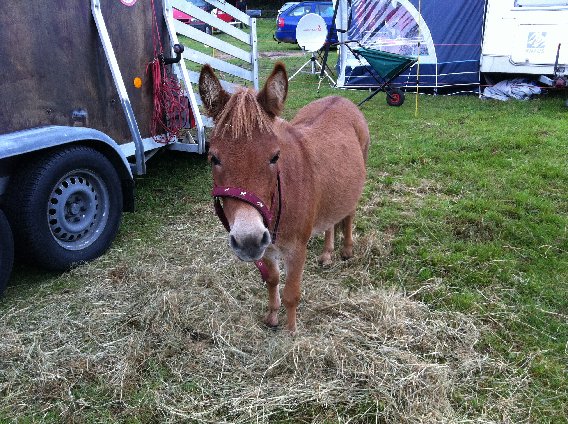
x,y
253,200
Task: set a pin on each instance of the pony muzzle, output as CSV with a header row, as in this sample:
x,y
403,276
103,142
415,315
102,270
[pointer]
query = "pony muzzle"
x,y
249,233
249,237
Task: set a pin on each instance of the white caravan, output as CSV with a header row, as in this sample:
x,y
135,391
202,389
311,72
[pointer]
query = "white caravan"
x,y
526,37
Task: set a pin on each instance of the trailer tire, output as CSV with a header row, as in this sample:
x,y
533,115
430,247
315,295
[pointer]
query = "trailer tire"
x,y
6,252
65,208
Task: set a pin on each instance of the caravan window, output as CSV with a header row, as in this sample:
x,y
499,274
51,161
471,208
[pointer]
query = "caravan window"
x,y
540,3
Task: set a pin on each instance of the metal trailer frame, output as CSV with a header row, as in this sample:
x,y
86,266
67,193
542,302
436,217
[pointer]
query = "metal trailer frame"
x,y
189,77
140,146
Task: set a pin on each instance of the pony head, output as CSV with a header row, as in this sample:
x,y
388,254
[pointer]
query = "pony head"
x,y
244,152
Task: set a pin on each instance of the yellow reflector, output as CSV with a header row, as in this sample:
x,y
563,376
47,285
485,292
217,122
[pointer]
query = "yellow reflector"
x,y
137,82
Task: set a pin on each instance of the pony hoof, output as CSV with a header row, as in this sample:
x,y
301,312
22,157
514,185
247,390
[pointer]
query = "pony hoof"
x,y
271,319
347,254
325,260
291,330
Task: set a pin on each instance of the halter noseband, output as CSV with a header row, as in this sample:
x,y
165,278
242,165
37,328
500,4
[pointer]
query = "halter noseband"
x,y
253,200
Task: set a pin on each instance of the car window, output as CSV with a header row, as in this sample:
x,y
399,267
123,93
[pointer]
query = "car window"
x,y
300,11
198,3
286,6
324,10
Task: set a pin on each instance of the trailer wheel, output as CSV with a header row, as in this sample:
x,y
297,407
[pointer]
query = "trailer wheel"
x,y
395,97
66,207
6,252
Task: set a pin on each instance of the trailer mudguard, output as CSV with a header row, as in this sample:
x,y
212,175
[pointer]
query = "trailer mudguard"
x,y
22,142
35,139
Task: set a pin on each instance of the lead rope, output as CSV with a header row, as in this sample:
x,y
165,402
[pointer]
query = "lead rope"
x,y
170,111
261,266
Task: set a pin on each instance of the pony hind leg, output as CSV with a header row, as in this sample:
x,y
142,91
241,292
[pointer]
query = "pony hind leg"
x,y
328,245
347,250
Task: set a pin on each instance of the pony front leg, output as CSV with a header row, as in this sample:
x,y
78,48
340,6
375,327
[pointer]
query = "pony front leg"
x,y
271,318
291,292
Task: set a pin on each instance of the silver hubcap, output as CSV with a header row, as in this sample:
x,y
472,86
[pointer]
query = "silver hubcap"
x,y
77,210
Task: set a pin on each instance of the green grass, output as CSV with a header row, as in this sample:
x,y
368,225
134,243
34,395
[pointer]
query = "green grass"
x,y
474,195
489,226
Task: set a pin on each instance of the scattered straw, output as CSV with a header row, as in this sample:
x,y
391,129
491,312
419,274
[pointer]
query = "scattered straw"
x,y
171,331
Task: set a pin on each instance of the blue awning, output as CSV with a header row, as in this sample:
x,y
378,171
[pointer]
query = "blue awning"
x,y
446,36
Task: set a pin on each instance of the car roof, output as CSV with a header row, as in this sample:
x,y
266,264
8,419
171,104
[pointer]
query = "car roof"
x,y
314,2
306,3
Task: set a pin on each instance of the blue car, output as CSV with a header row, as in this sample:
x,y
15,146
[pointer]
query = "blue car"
x,y
288,20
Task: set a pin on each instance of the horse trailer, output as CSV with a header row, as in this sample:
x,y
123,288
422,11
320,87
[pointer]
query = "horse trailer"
x,y
82,110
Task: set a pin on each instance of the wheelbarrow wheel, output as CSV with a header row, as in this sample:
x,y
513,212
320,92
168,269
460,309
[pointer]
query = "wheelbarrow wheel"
x,y
395,97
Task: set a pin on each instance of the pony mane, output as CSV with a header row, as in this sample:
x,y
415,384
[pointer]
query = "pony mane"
x,y
242,117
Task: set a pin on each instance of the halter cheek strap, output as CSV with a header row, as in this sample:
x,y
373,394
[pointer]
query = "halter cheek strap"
x,y
253,200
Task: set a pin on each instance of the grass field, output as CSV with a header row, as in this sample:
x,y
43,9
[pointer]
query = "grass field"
x,y
455,308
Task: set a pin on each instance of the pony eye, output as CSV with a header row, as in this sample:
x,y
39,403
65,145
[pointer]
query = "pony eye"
x,y
275,158
215,160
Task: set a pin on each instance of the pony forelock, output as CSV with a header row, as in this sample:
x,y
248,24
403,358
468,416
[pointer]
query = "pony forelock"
x,y
242,117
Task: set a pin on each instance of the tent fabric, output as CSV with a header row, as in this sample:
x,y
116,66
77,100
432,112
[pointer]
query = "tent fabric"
x,y
446,33
517,88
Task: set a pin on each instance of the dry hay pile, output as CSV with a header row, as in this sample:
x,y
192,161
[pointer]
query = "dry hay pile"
x,y
172,332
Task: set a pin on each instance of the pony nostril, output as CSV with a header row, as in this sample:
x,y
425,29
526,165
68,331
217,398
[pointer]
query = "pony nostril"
x,y
233,241
265,238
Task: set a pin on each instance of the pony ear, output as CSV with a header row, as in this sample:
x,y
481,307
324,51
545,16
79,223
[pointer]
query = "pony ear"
x,y
214,97
275,90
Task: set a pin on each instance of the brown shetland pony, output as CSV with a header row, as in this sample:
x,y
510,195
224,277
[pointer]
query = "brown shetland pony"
x,y
307,174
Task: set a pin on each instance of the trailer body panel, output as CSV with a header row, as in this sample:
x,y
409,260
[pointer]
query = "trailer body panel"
x,y
55,71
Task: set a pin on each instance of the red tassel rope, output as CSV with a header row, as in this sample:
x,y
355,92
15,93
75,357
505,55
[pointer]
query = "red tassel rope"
x,y
170,109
